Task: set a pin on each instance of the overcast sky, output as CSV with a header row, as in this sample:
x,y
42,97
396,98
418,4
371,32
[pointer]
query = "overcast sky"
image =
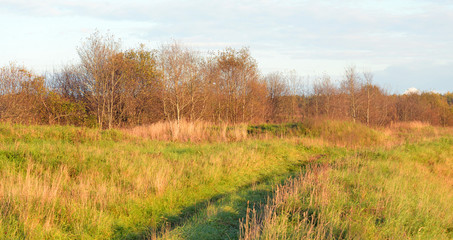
x,y
404,43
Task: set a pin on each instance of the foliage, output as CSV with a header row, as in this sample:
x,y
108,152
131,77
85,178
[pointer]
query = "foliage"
x,y
114,88
280,130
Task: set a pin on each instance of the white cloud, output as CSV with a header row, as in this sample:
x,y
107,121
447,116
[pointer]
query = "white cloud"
x,y
305,35
412,90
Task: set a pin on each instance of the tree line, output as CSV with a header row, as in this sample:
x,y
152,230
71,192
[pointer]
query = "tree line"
x,y
110,87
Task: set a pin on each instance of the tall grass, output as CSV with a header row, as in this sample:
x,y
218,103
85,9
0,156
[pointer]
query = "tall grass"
x,y
330,132
185,131
74,183
348,134
292,212
404,193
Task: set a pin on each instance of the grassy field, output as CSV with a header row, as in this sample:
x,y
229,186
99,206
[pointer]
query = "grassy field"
x,y
318,180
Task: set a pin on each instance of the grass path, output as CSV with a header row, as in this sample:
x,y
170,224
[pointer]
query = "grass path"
x,y
66,182
403,193
73,183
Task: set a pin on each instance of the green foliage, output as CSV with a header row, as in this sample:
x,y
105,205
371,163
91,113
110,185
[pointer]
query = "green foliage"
x,y
280,130
63,111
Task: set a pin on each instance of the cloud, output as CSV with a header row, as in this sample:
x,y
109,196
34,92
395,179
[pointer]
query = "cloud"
x,y
379,35
412,90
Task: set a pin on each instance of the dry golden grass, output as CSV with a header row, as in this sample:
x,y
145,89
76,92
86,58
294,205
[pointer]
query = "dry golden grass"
x,y
66,182
410,125
409,132
186,131
37,191
320,132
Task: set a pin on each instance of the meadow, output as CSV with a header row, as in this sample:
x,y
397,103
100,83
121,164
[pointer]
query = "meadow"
x,y
310,180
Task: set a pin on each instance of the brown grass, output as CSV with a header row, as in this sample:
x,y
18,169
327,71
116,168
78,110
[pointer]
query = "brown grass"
x,y
186,131
401,132
410,125
39,193
322,132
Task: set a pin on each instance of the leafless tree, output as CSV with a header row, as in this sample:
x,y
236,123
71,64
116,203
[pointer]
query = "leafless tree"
x,y
182,82
237,75
368,76
351,85
101,61
277,89
324,92
22,95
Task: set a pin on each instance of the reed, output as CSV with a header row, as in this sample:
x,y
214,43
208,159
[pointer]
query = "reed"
x,y
187,131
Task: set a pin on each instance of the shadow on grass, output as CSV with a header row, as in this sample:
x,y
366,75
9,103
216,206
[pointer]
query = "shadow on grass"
x,y
217,217
197,221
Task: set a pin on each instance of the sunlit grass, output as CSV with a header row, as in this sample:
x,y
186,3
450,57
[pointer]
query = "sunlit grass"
x,y
402,193
61,182
71,183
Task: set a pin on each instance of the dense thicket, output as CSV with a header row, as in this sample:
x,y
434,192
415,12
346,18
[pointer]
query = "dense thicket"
x,y
110,87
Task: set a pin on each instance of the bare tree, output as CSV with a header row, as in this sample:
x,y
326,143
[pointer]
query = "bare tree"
x,y
101,61
277,89
67,82
351,85
237,74
22,95
297,92
182,81
324,91
317,94
368,76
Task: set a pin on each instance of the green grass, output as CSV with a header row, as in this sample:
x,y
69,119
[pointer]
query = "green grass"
x,y
403,193
67,182
59,182
335,132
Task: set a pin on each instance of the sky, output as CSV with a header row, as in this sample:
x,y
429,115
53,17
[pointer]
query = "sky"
x,y
405,44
